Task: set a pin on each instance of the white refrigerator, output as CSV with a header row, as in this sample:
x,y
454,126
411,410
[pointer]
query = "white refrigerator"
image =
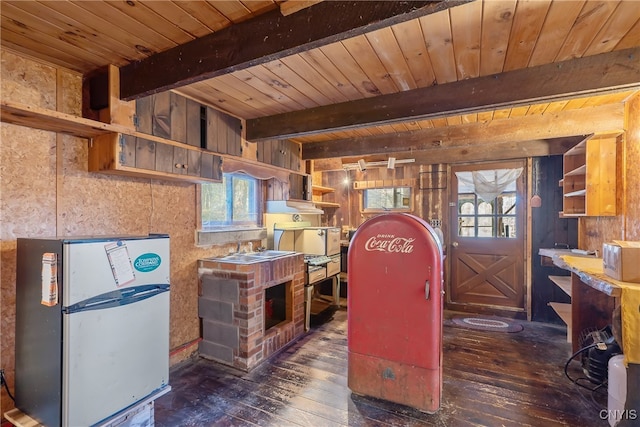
x,y
92,326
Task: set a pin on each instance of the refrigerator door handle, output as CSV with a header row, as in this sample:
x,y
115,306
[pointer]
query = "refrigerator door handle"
x,y
118,298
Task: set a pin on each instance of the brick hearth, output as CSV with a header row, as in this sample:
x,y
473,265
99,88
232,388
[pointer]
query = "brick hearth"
x,y
231,306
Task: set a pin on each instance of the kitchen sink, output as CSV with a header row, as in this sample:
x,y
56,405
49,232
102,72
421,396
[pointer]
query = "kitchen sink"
x,y
270,254
252,257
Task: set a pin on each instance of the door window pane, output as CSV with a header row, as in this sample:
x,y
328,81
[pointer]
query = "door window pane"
x,y
479,218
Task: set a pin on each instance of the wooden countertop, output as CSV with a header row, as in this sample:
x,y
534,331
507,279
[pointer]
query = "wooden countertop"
x,y
591,272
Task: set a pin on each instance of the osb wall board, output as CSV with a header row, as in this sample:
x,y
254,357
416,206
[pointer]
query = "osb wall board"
x,y
46,190
632,168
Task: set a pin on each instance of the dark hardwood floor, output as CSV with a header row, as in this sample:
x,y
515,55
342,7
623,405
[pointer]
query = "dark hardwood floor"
x,y
490,379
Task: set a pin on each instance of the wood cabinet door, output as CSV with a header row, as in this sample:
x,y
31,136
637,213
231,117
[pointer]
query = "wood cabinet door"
x,y
178,118
161,119
127,155
180,160
145,154
194,165
164,158
193,123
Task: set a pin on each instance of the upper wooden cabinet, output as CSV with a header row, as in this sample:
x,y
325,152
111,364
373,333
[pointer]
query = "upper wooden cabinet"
x,y
223,133
589,178
136,156
281,153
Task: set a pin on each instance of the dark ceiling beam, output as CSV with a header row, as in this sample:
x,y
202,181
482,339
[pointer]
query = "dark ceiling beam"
x,y
597,74
461,154
266,38
475,136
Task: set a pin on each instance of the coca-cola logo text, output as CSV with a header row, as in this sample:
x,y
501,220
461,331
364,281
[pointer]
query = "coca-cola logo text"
x,y
389,243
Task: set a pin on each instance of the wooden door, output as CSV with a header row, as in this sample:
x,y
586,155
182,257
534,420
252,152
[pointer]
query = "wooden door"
x,y
487,242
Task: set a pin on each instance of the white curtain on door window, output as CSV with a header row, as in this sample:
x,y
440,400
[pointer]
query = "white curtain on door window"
x,y
489,184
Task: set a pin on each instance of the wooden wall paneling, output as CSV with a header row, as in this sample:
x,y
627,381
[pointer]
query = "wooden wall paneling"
x,y
631,182
193,123
161,118
178,117
547,229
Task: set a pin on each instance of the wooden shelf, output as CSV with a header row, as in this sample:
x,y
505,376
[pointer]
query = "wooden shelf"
x,y
577,193
563,282
325,204
564,311
319,189
589,178
55,121
581,170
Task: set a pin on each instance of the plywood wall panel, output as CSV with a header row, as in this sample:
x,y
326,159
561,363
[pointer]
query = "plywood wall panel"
x,y
27,82
47,190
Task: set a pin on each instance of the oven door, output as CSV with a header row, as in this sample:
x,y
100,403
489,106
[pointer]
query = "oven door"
x,y
333,266
313,241
333,241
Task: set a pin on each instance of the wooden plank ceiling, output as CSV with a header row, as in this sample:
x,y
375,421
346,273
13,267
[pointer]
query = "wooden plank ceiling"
x,y
468,67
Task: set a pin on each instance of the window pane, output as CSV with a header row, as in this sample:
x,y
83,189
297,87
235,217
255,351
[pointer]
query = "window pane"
x,y
387,198
232,202
507,227
485,208
466,204
466,227
485,227
213,203
506,203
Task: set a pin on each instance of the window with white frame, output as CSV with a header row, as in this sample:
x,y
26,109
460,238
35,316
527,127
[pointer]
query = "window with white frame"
x,y
230,203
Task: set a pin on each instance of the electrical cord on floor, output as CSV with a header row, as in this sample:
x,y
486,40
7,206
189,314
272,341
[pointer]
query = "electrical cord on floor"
x,y
566,368
3,382
594,390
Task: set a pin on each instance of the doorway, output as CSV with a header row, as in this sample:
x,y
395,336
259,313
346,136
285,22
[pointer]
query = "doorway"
x,y
487,235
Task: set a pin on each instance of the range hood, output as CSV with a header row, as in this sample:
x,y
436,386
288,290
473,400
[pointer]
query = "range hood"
x,y
292,206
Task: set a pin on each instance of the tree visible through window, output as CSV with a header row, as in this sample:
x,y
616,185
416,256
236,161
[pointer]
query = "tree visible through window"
x,y
233,202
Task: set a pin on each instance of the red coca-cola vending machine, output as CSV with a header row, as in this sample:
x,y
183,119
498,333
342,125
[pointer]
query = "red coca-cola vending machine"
x,y
395,311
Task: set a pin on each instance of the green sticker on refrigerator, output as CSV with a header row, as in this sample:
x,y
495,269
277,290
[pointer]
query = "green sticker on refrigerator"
x,y
147,262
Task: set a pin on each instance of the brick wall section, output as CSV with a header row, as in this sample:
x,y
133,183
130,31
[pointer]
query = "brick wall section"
x,y
231,306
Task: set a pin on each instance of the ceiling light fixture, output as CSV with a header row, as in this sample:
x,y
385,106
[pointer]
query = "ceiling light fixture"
x,y
361,165
391,163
